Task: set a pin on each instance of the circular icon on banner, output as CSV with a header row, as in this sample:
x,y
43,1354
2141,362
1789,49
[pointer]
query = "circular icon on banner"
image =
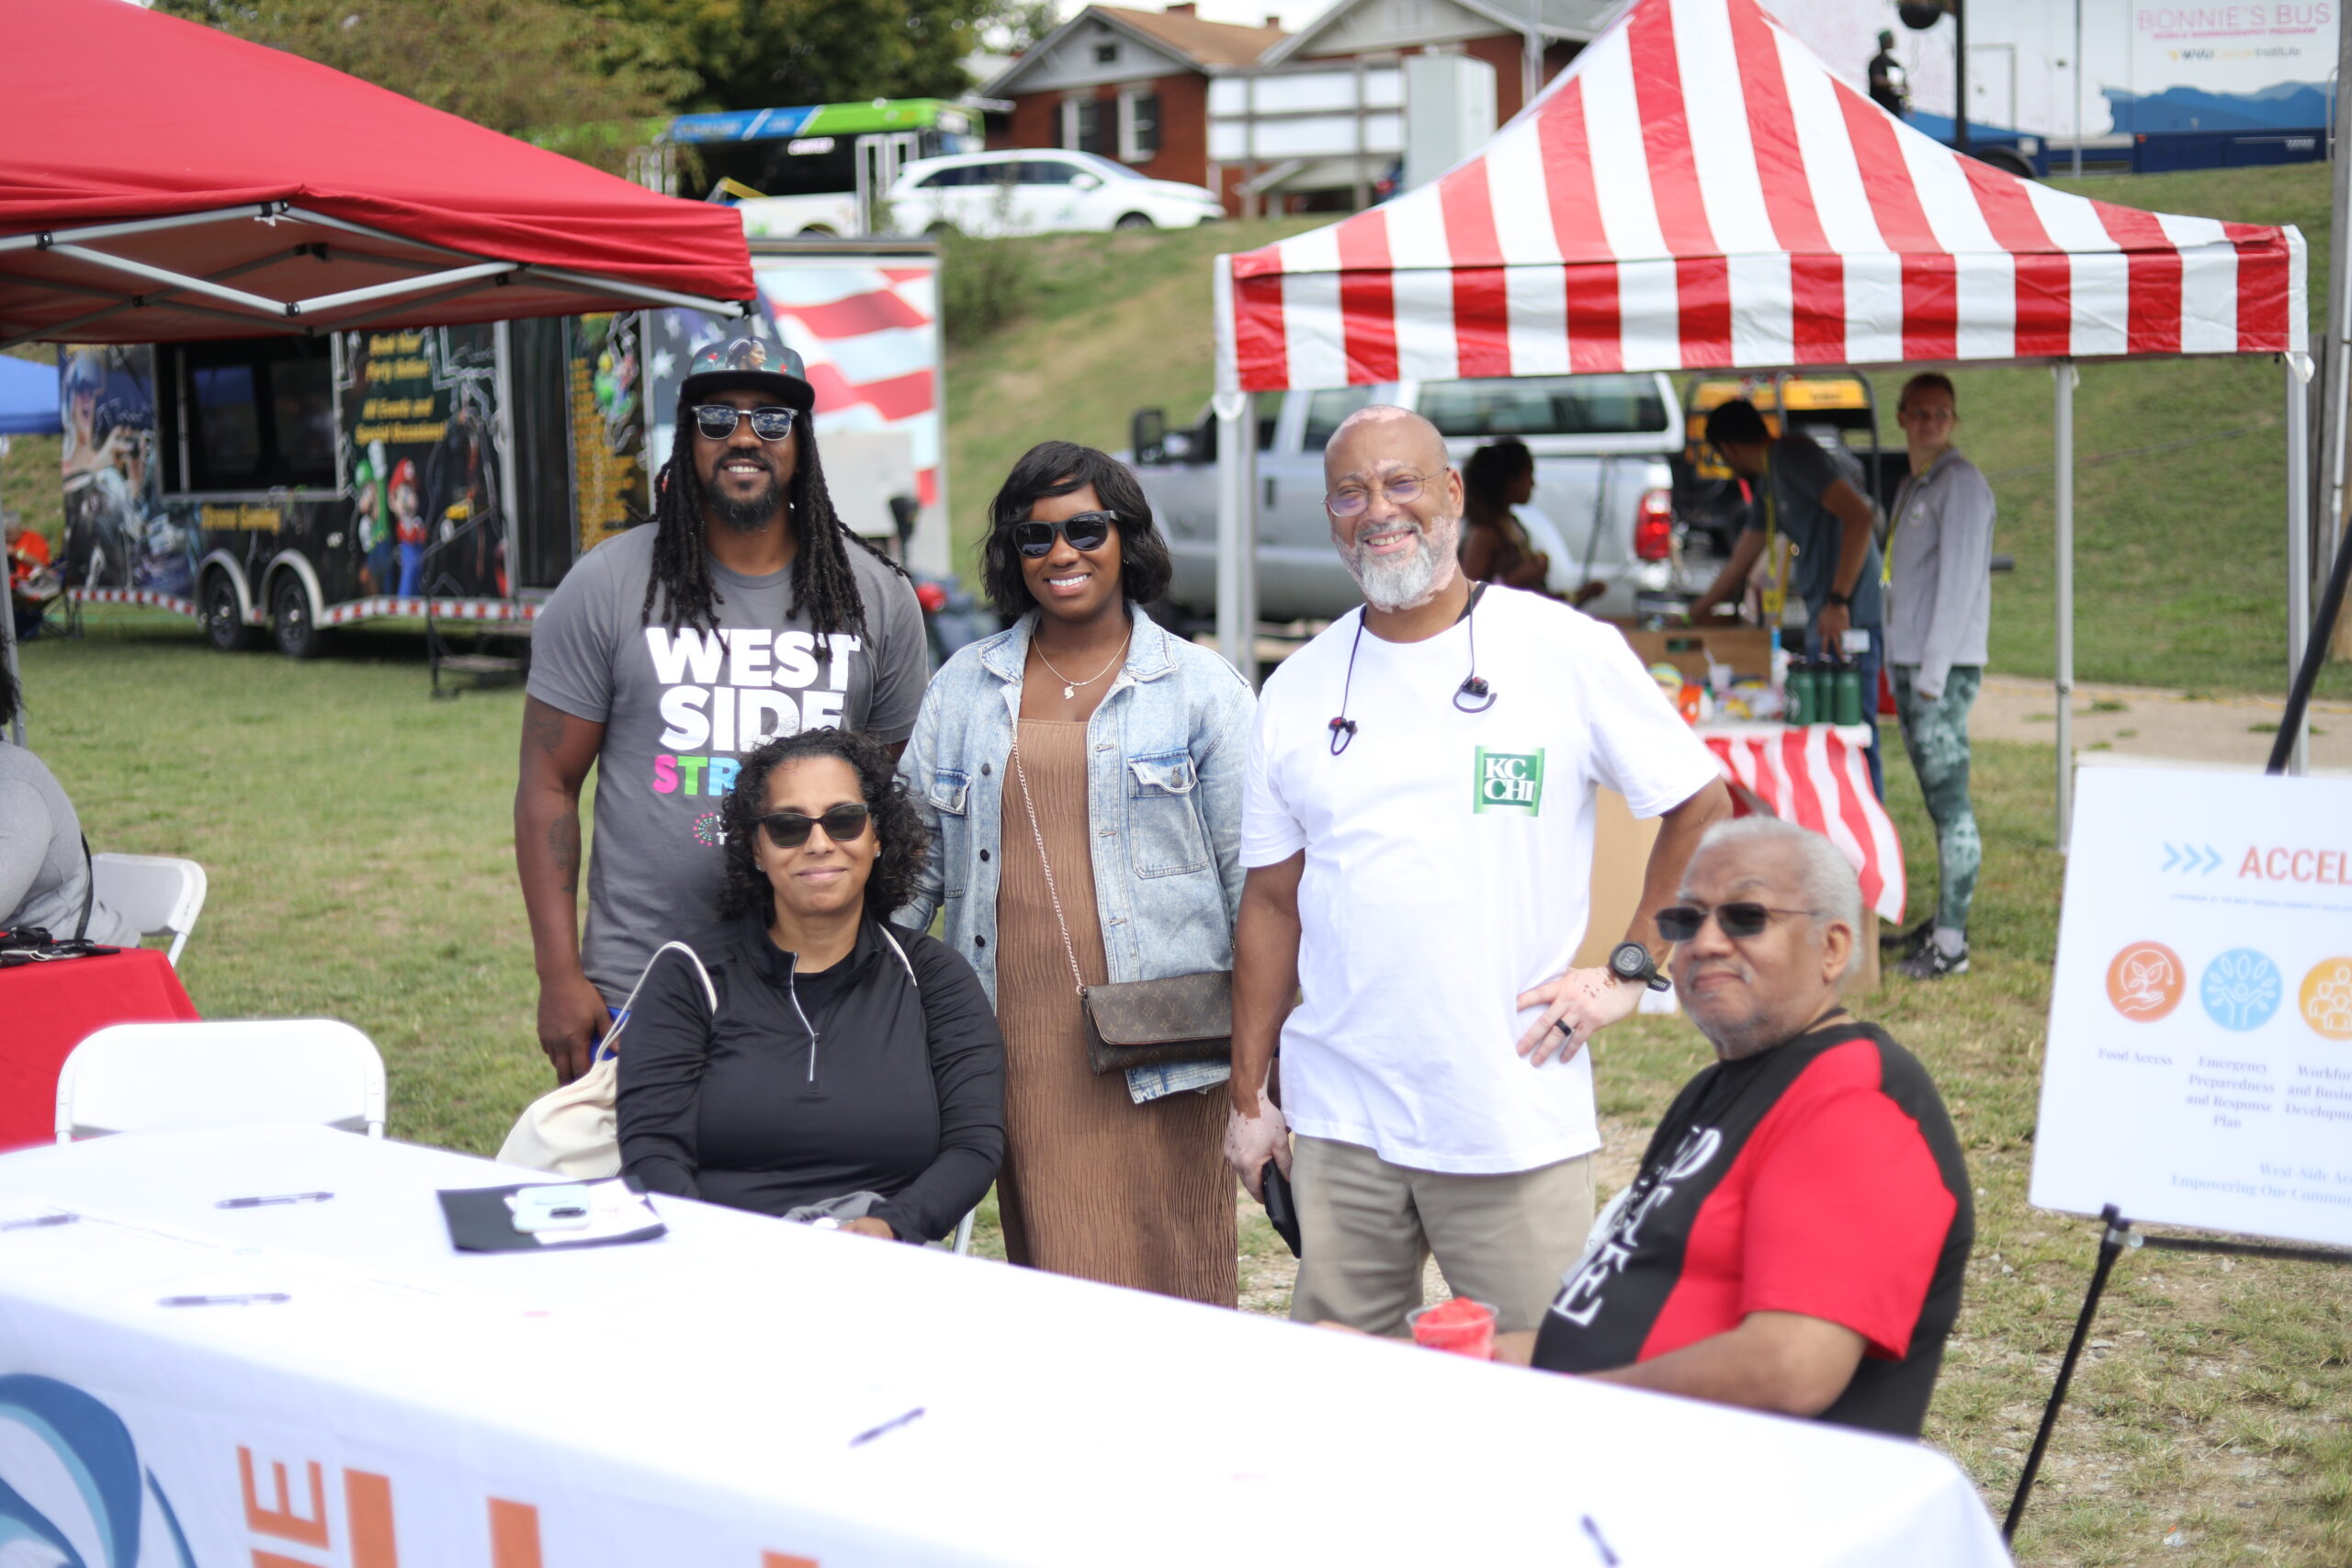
x,y
2242,990
2146,981
2326,998
710,832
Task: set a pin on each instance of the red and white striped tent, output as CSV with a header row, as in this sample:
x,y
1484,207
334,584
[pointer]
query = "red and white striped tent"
x,y
1699,191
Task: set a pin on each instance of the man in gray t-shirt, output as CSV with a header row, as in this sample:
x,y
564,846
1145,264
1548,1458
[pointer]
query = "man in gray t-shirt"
x,y
743,610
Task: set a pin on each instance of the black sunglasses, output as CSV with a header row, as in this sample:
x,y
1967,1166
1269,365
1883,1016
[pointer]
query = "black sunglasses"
x,y
717,421
1681,922
843,824
1034,536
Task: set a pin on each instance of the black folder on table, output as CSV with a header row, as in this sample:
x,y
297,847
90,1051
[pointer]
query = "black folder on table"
x,y
481,1220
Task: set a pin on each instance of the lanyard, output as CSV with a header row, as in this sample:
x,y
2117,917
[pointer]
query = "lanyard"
x,y
1776,596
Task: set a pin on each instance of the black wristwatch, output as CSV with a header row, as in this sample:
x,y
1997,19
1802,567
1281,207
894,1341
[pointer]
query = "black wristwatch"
x,y
1843,601
1629,961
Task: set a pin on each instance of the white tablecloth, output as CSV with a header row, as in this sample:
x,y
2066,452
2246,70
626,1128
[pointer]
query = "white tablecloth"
x,y
713,1398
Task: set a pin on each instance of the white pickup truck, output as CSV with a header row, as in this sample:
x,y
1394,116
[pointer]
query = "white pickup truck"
x,y
1603,506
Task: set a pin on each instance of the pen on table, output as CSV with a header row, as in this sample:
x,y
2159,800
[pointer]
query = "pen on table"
x,y
38,1222
256,1298
891,1424
278,1198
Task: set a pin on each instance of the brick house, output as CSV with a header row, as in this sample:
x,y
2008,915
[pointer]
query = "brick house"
x,y
1127,85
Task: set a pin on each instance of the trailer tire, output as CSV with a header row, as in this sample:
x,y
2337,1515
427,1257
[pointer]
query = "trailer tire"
x,y
2007,162
293,619
224,616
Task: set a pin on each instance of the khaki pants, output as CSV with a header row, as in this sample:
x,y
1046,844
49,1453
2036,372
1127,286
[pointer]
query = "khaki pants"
x,y
1367,1227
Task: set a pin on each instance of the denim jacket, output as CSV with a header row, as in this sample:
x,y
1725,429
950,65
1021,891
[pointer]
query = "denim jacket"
x,y
1166,750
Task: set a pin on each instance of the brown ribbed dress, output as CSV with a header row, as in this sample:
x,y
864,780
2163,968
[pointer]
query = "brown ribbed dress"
x,y
1094,1185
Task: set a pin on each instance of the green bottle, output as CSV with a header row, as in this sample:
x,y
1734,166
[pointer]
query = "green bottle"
x,y
1803,692
1847,705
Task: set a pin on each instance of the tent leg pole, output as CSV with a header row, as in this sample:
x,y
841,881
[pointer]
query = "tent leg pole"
x,y
1237,533
2063,423
2298,551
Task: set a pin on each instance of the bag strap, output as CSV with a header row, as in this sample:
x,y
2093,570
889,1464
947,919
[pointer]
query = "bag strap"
x,y
1069,949
710,991
89,889
884,927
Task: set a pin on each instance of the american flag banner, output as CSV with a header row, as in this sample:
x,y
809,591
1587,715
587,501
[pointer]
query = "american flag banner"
x,y
1697,190
1807,775
870,337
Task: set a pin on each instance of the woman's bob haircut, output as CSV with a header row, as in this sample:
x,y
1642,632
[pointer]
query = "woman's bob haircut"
x,y
1058,468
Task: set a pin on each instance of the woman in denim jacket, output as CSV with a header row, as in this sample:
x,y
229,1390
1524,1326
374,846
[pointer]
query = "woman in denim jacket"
x,y
1107,844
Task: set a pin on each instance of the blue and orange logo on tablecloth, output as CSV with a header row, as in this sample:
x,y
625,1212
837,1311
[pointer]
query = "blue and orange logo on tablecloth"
x,y
90,1441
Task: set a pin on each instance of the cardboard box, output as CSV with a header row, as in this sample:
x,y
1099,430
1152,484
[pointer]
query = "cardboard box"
x,y
1748,649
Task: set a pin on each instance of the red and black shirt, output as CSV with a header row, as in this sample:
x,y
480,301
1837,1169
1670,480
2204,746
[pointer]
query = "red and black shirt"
x,y
1821,1177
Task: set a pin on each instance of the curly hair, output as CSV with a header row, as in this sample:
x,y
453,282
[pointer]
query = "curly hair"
x,y
1059,468
898,826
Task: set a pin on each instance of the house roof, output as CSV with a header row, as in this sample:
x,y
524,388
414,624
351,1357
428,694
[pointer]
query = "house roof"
x,y
1208,45
1577,21
1199,39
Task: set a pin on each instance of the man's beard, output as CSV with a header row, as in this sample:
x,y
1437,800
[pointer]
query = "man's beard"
x,y
750,515
1395,583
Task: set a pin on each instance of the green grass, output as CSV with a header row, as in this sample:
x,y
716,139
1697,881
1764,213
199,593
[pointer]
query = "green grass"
x,y
359,841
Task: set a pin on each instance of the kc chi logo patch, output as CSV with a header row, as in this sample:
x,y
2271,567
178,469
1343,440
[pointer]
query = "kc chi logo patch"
x,y
1508,781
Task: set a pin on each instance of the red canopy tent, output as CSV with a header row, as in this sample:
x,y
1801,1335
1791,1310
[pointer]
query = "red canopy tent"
x,y
165,182
1698,191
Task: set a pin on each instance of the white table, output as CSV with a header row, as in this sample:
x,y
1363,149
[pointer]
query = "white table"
x,y
701,1400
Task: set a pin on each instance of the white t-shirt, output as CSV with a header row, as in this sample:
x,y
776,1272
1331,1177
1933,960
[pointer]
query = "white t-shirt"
x,y
1449,868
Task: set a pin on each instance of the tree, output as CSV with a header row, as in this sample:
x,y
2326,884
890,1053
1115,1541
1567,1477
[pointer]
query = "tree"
x,y
765,53
537,69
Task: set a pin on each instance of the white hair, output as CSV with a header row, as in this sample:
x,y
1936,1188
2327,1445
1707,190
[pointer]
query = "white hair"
x,y
1826,882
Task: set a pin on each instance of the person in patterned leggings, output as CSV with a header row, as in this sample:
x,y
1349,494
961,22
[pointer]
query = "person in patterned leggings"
x,y
1938,608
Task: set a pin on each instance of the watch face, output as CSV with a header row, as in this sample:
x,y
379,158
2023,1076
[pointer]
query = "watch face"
x,y
1627,960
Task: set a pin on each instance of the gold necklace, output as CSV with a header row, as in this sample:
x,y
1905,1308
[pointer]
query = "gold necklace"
x,y
1070,687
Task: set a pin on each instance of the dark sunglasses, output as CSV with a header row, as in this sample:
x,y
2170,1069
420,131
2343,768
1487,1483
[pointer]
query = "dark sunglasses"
x,y
842,824
1035,537
1681,922
717,421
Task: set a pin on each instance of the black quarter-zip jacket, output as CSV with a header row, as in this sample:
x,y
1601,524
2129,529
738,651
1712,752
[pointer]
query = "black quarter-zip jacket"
x,y
872,1075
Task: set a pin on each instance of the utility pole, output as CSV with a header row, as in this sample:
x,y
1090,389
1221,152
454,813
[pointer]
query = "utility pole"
x,y
1959,74
2078,89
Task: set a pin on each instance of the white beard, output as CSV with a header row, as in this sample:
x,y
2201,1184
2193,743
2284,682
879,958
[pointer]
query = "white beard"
x,y
1395,583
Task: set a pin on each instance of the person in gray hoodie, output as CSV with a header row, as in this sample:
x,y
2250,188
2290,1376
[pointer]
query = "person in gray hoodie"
x,y
1938,591
44,874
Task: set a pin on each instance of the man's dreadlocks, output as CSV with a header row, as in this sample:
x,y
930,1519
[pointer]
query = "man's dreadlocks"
x,y
822,581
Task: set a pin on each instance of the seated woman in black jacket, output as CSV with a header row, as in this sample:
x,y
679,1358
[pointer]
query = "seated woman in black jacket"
x,y
831,1054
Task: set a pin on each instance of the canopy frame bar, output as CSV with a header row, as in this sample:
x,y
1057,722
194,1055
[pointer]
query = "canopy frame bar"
x,y
78,244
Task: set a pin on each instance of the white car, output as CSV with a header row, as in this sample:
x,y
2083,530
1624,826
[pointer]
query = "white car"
x,y
1039,190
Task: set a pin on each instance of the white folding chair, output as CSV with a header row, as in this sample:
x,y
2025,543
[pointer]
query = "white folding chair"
x,y
153,1078
154,893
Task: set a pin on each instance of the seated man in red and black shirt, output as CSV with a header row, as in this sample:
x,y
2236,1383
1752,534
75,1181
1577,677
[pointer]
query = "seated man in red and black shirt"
x,y
1795,1237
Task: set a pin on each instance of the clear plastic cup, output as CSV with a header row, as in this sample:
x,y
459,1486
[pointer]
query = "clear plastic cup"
x,y
1459,1327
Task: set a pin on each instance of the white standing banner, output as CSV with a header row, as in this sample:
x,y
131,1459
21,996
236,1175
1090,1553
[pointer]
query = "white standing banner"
x,y
326,1383
2198,1070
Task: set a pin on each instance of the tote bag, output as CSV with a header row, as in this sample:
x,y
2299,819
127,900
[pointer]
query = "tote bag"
x,y
573,1130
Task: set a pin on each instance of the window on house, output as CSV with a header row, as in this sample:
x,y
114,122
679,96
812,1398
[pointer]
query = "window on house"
x,y
1107,54
1138,126
1087,128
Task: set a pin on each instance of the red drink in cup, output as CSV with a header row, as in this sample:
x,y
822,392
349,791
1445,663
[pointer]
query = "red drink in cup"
x,y
1460,1327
